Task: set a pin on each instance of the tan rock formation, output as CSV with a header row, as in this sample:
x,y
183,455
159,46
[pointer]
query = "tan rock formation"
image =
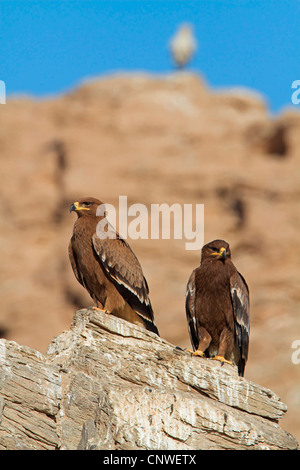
x,y
108,384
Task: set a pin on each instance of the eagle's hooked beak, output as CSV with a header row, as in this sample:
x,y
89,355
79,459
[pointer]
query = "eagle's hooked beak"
x,y
76,207
73,207
222,253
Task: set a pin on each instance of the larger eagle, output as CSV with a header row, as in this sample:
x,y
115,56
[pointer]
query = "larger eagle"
x,y
217,307
105,265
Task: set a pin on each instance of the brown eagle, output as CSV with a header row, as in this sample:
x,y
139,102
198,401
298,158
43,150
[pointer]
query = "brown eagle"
x,y
217,307
107,267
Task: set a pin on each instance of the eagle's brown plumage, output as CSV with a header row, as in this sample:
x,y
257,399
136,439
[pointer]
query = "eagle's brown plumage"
x,y
108,268
217,307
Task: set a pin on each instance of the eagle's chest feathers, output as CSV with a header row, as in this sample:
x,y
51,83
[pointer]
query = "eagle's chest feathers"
x,y
83,245
213,288
213,280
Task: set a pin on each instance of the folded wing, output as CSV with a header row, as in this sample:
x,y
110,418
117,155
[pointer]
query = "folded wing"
x,y
241,311
124,270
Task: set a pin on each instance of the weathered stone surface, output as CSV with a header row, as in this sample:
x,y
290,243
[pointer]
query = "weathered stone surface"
x,y
108,384
30,394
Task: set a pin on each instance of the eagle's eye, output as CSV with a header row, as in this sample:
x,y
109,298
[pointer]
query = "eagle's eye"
x,y
87,203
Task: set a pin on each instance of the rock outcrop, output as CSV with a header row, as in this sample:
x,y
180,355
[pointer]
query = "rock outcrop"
x,y
108,384
168,139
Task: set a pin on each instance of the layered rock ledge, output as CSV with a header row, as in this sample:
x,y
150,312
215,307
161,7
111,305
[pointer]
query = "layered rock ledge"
x,y
108,384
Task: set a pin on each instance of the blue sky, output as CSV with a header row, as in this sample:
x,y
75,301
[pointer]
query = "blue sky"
x,y
49,47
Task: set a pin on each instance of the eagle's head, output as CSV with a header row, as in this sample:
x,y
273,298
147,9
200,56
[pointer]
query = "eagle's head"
x,y
216,250
87,206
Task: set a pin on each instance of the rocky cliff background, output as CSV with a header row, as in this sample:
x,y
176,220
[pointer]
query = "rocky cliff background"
x,y
154,139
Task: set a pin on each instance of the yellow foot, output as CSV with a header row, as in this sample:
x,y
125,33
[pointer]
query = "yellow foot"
x,y
99,309
222,360
196,353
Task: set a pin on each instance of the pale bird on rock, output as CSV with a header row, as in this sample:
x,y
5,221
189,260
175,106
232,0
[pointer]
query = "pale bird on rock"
x,y
183,45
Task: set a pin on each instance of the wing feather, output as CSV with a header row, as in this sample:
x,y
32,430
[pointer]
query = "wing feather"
x,y
190,297
74,264
241,310
124,270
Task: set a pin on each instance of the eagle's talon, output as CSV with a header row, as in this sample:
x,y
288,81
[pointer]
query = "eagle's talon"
x,y
99,309
222,360
196,353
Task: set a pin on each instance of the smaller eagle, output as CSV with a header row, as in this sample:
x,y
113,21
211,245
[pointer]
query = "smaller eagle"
x,y
217,307
107,267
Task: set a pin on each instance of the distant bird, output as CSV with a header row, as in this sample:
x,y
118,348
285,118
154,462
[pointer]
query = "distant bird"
x,y
183,46
107,268
235,202
238,206
58,149
217,307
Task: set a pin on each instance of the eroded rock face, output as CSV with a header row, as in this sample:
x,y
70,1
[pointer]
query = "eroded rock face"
x,y
108,384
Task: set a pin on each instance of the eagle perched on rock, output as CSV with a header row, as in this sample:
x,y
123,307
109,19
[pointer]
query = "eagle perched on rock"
x,y
217,307
107,267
